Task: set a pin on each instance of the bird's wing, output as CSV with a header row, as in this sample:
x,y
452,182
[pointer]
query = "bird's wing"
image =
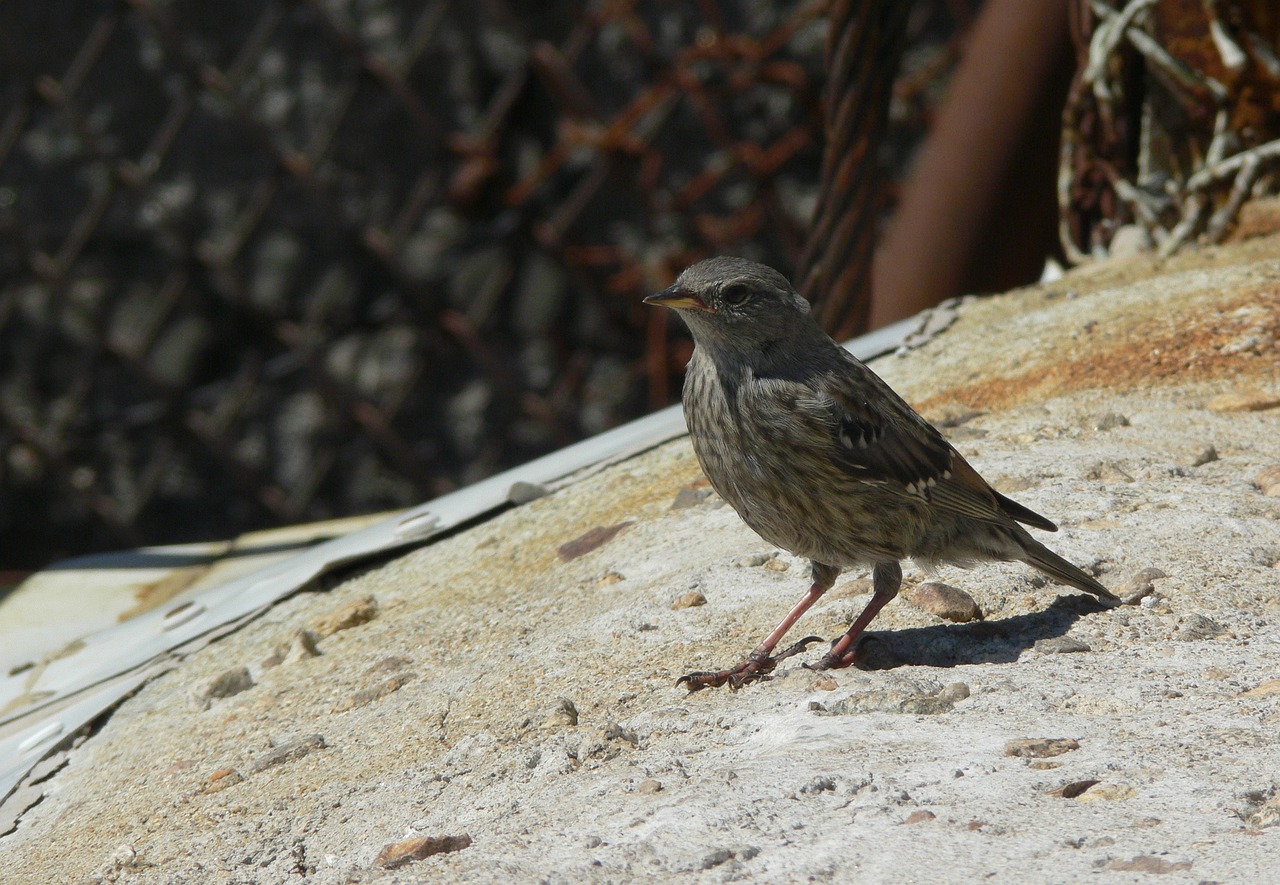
x,y
889,442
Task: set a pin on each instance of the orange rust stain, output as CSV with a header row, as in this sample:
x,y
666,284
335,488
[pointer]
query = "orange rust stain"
x,y
1183,347
157,593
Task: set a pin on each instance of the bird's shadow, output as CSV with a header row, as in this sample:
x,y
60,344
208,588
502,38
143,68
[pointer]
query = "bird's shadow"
x,y
981,642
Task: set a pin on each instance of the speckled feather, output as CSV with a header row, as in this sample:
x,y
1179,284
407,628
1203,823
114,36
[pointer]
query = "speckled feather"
x,y
818,455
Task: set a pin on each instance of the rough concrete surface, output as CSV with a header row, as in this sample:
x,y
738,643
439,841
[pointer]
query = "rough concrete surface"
x,y
501,705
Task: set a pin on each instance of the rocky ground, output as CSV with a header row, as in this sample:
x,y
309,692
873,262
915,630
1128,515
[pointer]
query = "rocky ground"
x,y
501,705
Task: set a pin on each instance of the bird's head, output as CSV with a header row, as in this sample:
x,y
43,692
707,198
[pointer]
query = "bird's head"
x,y
736,307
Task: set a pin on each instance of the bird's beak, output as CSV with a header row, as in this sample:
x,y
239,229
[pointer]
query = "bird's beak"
x,y
678,299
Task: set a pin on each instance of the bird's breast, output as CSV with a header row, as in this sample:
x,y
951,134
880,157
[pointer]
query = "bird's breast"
x,y
776,472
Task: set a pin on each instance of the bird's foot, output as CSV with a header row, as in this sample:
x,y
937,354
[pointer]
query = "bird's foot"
x,y
757,665
836,661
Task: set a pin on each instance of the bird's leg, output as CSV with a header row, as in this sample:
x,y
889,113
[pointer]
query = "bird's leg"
x,y
762,660
886,578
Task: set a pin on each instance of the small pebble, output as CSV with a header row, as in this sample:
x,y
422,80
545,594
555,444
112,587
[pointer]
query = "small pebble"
x,y
124,856
751,560
648,787
856,587
919,817
777,565
397,854
944,601
1105,792
522,492
1140,586
301,645
223,778
691,599
1074,789
1268,480
354,614
224,685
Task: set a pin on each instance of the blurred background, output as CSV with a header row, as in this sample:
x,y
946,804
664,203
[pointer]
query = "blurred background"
x,y
271,262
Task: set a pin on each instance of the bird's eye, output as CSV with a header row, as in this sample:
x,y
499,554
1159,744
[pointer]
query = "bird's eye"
x,y
734,295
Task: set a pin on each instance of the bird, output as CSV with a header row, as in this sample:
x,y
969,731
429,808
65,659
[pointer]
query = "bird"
x,y
820,457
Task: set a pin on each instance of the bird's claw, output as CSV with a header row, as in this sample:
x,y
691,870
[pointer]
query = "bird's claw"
x,y
734,677
753,668
831,661
756,666
797,647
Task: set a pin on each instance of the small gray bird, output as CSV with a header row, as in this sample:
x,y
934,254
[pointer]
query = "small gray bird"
x,y
820,457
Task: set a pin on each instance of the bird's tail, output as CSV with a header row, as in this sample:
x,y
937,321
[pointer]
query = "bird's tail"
x,y
1062,571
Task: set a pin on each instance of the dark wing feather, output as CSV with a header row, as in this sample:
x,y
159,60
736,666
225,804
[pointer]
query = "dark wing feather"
x,y
1023,514
891,442
868,446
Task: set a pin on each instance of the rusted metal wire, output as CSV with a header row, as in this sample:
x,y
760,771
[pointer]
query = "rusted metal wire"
x,y
1172,123
864,46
